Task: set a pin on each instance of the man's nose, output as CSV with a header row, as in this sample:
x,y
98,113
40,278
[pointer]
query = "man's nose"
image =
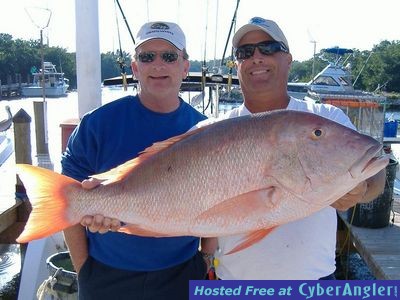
x,y
257,56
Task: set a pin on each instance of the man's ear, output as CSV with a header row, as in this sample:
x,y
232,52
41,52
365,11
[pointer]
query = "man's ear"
x,y
290,59
186,68
134,68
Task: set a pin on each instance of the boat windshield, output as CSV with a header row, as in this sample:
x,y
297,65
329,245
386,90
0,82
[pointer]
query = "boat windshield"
x,y
325,80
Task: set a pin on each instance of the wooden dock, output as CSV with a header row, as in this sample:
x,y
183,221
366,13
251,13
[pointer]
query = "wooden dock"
x,y
12,86
380,248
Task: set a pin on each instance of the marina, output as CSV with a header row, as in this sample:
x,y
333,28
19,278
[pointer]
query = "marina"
x,y
27,265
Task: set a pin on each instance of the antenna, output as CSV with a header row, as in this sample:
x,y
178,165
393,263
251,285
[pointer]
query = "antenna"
x,y
40,17
313,41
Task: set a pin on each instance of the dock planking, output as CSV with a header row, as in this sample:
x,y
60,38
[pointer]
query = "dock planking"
x,y
379,247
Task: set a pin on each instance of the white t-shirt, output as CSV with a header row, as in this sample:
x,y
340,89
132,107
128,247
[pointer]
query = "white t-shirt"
x,y
304,249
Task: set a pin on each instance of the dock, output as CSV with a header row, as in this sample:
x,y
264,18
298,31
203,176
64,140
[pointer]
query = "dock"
x,y
11,89
379,247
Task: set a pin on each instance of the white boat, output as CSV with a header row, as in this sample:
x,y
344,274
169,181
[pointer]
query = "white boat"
x,y
334,79
55,85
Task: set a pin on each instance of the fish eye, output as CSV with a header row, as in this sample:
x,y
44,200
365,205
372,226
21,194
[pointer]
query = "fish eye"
x,y
317,133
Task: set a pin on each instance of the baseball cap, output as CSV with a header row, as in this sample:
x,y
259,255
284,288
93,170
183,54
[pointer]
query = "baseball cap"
x,y
258,23
168,31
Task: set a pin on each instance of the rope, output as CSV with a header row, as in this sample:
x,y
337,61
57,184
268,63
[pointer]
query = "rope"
x,y
47,287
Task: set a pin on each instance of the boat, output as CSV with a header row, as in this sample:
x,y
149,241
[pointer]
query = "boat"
x,y
55,84
335,78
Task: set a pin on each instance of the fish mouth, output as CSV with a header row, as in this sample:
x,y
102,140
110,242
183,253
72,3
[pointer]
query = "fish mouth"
x,y
370,162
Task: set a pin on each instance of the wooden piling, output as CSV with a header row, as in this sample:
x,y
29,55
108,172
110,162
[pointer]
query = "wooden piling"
x,y
9,82
23,155
41,142
22,142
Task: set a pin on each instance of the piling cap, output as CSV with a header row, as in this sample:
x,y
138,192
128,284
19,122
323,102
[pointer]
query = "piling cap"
x,y
22,117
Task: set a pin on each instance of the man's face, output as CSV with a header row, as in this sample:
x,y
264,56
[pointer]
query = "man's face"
x,y
262,73
160,68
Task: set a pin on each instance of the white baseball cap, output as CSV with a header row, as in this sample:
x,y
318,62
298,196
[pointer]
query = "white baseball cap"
x,y
257,23
168,31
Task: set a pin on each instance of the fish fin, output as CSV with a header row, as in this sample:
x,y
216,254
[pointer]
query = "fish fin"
x,y
251,205
124,170
251,239
137,230
48,196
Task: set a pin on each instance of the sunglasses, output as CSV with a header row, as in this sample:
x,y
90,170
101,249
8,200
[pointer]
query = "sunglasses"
x,y
150,56
265,48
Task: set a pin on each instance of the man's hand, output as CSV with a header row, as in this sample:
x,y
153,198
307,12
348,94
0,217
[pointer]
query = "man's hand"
x,y
364,192
98,223
91,183
351,198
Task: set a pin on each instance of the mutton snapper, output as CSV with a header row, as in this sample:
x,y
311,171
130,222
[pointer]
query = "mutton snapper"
x,y
243,175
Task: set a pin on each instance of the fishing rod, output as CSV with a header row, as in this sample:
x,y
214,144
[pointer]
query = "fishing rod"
x,y
230,31
120,59
126,22
230,64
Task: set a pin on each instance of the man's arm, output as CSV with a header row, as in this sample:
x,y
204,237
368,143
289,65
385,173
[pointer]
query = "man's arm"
x,y
365,192
76,240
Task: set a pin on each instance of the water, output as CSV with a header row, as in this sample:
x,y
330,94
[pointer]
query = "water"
x,y
10,266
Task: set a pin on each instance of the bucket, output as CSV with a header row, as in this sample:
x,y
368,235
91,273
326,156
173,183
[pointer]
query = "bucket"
x,y
376,214
61,269
390,129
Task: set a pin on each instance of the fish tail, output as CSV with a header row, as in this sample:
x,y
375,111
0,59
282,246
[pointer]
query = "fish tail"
x,y
47,193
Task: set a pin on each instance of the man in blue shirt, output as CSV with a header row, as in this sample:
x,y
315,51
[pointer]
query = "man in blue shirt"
x,y
116,265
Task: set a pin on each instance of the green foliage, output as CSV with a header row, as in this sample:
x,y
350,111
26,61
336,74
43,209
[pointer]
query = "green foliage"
x,y
375,69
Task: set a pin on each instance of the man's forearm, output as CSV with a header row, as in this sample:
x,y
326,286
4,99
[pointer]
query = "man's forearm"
x,y
75,237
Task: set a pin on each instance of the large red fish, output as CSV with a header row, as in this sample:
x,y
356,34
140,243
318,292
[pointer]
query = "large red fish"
x,y
242,175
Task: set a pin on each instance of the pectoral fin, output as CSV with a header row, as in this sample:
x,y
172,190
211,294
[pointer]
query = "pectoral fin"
x,y
249,206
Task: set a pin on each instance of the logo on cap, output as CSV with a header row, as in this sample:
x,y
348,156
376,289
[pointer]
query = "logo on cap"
x,y
161,26
257,20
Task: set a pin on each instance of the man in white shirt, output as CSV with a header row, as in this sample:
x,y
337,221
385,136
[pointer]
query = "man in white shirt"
x,y
303,249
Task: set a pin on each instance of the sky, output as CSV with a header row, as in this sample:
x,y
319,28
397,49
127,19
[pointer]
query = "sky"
x,y
206,23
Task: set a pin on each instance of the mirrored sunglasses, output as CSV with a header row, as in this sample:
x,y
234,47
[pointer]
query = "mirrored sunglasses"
x,y
150,56
265,48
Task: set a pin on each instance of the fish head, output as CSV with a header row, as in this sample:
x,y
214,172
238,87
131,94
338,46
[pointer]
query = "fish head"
x,y
318,157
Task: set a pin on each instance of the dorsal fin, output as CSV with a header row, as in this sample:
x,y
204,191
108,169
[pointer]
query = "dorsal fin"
x,y
122,171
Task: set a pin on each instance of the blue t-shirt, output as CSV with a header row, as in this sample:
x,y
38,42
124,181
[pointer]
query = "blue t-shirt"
x,y
107,137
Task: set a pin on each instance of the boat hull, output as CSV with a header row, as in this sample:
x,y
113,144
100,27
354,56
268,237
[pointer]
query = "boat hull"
x,y
33,91
37,91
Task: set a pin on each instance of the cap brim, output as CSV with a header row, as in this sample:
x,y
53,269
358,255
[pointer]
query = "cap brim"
x,y
251,27
243,30
179,47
